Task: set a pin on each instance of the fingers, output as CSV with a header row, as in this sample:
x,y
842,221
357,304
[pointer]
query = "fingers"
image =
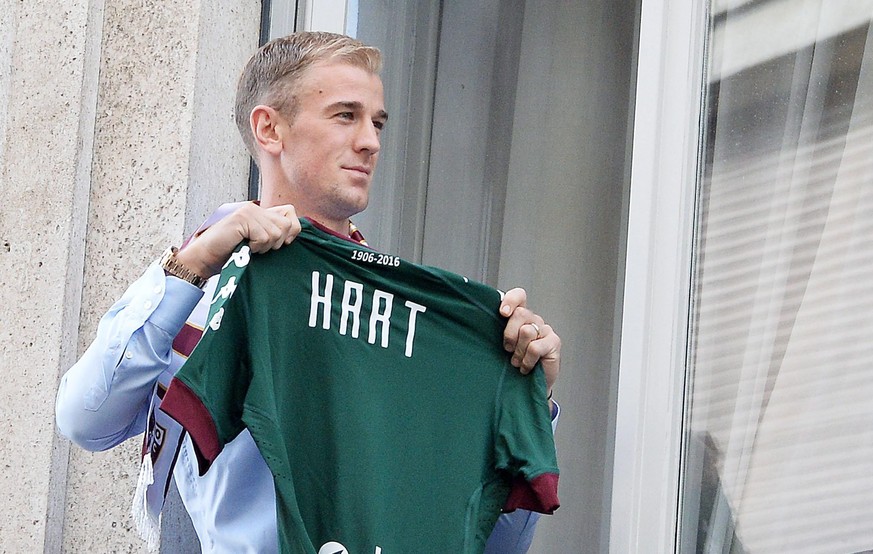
x,y
513,306
513,299
523,337
271,228
544,348
265,229
529,338
290,214
539,347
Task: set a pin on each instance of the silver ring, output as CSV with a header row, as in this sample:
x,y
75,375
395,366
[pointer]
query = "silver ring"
x,y
537,327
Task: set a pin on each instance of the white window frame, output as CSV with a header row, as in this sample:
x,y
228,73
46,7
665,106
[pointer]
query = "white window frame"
x,y
655,318
283,19
335,16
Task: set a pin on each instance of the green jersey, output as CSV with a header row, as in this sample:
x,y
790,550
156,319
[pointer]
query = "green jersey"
x,y
378,393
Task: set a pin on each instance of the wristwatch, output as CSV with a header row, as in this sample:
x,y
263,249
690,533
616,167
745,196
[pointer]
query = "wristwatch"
x,y
172,266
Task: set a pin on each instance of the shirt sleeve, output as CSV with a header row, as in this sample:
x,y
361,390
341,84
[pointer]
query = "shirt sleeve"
x,y
514,532
103,398
524,446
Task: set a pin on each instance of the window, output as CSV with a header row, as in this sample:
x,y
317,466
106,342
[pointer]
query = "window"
x,y
779,440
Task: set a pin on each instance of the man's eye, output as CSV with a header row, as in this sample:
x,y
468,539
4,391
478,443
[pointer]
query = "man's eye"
x,y
379,125
346,115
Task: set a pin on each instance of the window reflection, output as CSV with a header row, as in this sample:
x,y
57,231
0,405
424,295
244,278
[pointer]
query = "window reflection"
x,y
779,445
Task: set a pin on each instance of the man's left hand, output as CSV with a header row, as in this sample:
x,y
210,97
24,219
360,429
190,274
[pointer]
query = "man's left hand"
x,y
530,338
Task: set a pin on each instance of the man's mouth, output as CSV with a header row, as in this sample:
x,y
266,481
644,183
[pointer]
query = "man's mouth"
x,y
359,168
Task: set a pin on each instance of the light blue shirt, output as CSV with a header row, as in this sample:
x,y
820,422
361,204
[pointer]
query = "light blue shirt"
x,y
103,400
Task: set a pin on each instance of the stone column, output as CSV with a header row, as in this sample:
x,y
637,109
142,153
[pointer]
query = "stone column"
x,y
47,103
116,139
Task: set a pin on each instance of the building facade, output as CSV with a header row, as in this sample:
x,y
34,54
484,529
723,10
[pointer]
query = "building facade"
x,y
684,188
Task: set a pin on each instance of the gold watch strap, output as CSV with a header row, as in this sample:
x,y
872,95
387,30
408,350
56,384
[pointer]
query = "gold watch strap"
x,y
172,266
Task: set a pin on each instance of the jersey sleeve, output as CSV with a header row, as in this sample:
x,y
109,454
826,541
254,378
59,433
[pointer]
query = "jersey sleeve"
x,y
207,394
524,443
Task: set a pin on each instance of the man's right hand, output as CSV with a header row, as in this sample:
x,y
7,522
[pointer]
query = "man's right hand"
x,y
265,228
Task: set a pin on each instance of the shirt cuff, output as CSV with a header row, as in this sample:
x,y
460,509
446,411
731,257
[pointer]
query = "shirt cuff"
x,y
177,302
556,413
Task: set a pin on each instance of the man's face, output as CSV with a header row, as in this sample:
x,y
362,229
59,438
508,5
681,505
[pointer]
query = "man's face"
x,y
331,143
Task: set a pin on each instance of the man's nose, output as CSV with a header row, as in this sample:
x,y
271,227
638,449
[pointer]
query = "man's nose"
x,y
368,138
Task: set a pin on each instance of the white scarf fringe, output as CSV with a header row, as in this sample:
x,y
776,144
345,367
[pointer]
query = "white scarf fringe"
x,y
149,528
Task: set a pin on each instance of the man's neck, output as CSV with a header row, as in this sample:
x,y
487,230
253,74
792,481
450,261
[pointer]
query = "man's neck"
x,y
341,227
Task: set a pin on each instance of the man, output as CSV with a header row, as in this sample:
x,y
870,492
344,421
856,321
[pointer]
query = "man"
x,y
310,110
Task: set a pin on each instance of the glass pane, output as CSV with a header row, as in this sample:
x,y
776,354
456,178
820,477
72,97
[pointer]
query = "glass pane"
x,y
779,439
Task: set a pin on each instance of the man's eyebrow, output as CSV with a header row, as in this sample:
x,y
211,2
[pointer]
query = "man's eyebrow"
x,y
355,106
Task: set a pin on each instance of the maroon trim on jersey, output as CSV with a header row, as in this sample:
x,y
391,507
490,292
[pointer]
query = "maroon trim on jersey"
x,y
185,407
540,494
187,339
356,238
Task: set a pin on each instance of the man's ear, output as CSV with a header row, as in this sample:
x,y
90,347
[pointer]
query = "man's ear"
x,y
265,122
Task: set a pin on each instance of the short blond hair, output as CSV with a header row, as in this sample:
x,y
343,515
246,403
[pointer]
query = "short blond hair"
x,y
272,74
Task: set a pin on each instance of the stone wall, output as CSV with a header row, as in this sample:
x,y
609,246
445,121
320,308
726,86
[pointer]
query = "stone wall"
x,y
116,139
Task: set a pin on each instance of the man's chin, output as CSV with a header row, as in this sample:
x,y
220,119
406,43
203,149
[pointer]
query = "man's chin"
x,y
353,208
360,203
